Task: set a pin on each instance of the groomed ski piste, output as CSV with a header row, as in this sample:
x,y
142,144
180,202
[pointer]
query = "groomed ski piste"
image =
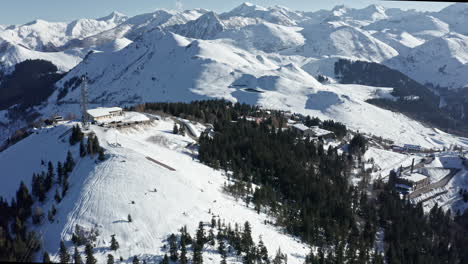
x,y
159,200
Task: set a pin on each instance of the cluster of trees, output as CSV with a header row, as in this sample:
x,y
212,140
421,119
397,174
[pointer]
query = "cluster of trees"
x,y
202,111
230,241
16,243
29,84
304,185
307,189
178,130
339,129
66,257
464,195
358,145
426,108
414,237
92,145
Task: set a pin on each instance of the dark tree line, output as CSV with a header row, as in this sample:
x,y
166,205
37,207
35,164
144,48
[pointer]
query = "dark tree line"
x,y
29,84
425,109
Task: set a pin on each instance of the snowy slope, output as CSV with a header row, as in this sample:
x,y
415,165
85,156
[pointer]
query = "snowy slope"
x,y
163,66
100,194
420,25
335,38
11,54
456,16
42,35
442,61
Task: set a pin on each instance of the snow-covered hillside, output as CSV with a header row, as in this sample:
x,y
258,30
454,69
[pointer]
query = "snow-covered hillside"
x,y
101,193
163,66
373,33
441,60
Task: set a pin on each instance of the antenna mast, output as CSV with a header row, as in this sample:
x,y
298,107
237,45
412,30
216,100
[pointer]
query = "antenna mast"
x,y
84,102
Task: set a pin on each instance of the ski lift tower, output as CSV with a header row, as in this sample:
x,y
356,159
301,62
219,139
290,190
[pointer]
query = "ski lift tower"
x,y
84,102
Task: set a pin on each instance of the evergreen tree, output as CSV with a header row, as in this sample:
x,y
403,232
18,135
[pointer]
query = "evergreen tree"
x,y
82,148
63,254
50,176
114,244
182,130
77,257
135,260
90,259
110,259
246,240
129,218
183,252
46,258
175,130
69,163
263,252
65,185
57,196
24,202
174,256
101,155
197,254
200,236
222,251
165,260
90,145
60,171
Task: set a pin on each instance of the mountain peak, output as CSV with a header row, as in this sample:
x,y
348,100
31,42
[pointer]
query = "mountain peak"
x,y
246,8
114,16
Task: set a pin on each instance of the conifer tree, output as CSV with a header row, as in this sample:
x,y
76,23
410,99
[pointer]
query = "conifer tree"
x,y
136,260
69,163
183,252
175,130
63,254
57,196
129,218
77,257
90,259
222,251
101,155
246,239
46,258
174,256
110,259
165,260
50,176
197,253
200,236
60,171
82,148
263,252
65,185
114,244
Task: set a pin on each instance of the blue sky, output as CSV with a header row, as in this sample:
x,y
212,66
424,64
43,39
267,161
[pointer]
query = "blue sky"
x,y
22,11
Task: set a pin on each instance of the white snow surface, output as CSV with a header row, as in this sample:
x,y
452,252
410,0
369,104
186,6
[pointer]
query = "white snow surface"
x,y
163,66
101,193
373,33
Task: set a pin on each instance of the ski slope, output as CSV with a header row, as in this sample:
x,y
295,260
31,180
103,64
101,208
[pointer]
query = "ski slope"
x,y
101,194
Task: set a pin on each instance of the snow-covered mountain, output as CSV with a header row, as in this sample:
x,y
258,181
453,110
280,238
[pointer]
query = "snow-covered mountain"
x,y
373,33
440,61
102,195
46,36
265,56
163,66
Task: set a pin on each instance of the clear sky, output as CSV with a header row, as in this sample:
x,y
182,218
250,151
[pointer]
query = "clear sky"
x,y
22,11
